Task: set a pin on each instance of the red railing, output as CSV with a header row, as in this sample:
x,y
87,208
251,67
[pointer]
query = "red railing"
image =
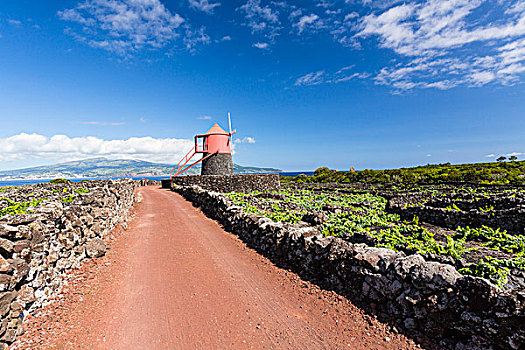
x,y
183,161
180,171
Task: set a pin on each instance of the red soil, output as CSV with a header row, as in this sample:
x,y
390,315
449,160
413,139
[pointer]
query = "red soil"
x,y
176,280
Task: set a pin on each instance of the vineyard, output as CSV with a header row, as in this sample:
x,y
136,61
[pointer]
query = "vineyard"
x,y
477,229
24,200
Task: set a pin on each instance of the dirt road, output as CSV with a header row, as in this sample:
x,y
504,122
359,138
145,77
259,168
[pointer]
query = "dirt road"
x,y
176,280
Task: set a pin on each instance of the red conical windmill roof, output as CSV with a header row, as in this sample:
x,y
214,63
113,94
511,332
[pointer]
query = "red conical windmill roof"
x,y
216,129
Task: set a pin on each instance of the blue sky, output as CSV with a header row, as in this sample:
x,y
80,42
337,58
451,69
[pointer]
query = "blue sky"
x,y
369,84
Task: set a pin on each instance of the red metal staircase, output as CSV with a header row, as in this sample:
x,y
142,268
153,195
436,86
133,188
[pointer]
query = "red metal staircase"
x,y
180,167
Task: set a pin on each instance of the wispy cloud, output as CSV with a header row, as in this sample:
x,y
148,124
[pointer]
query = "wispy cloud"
x,y
322,77
14,22
204,5
314,78
437,44
127,26
195,37
103,123
446,43
432,44
261,45
143,120
306,21
262,19
246,139
35,146
205,117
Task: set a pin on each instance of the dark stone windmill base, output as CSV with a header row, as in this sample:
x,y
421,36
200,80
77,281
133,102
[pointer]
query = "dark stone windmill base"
x,y
217,164
231,183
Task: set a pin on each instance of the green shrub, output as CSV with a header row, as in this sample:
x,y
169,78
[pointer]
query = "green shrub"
x,y
59,181
486,173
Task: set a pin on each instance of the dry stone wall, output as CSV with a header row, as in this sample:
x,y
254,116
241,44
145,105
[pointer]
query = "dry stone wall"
x,y
505,211
36,249
231,183
424,298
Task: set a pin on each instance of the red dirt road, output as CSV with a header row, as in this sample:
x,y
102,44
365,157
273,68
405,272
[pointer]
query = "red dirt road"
x,y
176,280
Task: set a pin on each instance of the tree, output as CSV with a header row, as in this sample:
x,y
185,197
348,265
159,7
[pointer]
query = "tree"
x,y
322,170
512,158
501,159
59,181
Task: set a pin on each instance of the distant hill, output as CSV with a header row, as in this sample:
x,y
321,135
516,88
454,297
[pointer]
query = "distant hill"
x,y
103,167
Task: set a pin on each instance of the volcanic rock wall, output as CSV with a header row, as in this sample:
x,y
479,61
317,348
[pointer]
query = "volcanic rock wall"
x,y
505,211
37,249
421,297
231,183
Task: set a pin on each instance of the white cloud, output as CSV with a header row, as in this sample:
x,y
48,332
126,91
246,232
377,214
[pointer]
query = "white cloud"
x,y
314,78
204,5
261,19
305,21
255,11
322,77
261,45
123,26
205,117
438,44
445,43
14,22
381,4
482,78
350,16
196,37
35,146
323,3
247,139
103,123
296,13
143,120
490,155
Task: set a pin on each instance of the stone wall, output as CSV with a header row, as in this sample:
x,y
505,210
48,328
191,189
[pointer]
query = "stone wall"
x,y
423,298
237,183
36,249
148,182
506,211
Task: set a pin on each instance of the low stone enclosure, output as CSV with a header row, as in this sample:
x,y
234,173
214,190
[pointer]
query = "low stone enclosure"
x,y
425,299
498,210
47,229
231,183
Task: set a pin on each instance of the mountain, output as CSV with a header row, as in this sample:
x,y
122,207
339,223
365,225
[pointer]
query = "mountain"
x,y
103,167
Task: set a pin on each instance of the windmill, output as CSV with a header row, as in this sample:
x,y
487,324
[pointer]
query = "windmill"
x,y
216,148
